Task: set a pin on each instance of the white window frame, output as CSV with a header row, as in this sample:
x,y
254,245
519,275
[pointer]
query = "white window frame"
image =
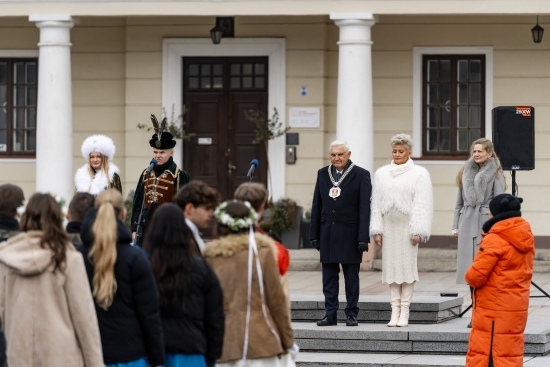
x,y
418,52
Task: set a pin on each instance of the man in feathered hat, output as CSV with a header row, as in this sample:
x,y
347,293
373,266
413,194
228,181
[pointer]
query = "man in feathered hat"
x,y
159,183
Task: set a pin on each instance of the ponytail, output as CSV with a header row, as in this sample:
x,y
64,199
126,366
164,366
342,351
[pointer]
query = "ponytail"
x,y
104,254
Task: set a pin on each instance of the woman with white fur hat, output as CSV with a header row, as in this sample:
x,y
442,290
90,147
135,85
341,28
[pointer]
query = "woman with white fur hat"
x,y
99,173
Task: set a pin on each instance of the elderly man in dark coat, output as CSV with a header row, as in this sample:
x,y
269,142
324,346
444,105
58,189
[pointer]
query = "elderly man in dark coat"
x,y
340,217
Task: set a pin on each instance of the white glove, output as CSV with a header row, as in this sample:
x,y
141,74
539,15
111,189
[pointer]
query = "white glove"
x,y
294,350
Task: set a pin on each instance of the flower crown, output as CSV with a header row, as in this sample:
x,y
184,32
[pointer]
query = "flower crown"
x,y
235,224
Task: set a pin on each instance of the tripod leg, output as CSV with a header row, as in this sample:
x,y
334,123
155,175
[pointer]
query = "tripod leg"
x,y
540,289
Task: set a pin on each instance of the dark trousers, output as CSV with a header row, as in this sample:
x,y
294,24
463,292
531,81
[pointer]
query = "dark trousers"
x,y
331,287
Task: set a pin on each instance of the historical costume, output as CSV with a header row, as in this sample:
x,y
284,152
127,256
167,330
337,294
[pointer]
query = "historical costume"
x,y
501,276
401,213
339,229
479,185
91,179
159,184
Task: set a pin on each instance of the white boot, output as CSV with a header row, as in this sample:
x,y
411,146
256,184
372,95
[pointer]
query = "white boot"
x,y
395,301
406,296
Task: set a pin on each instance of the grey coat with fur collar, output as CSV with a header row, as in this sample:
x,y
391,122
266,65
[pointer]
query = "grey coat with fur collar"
x,y
479,186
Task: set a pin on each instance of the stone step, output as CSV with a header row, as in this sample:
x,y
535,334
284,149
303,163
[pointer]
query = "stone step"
x,y
449,338
429,260
306,359
377,309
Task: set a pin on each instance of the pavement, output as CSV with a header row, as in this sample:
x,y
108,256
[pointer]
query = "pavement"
x,y
430,284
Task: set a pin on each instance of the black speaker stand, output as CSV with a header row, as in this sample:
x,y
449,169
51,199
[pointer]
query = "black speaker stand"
x,y
533,283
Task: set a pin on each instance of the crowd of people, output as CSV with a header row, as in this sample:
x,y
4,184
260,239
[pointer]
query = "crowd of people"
x,y
98,292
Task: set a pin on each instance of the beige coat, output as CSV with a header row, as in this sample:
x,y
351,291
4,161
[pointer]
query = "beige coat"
x,y
228,257
48,318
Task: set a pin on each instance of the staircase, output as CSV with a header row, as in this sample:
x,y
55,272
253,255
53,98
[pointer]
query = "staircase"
x,y
435,335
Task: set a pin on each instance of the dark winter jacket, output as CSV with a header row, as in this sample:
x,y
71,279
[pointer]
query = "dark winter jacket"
x,y
198,326
9,227
131,327
340,224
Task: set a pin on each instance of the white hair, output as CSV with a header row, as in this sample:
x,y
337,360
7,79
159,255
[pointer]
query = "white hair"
x,y
339,143
402,139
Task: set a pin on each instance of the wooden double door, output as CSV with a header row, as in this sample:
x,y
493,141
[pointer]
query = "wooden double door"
x,y
217,92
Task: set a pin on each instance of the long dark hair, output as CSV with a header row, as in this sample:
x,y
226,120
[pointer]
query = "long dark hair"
x,y
167,242
43,213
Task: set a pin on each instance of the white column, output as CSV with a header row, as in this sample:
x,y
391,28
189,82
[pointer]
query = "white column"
x,y
354,109
54,142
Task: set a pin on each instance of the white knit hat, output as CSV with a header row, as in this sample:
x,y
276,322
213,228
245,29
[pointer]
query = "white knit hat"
x,y
98,143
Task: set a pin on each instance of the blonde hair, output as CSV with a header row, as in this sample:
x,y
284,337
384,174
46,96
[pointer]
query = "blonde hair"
x,y
104,167
488,146
103,255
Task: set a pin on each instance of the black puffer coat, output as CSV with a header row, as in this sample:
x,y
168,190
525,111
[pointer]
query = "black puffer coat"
x,y
131,328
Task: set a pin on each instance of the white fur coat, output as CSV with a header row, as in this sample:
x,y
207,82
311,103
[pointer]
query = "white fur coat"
x,y
407,189
84,183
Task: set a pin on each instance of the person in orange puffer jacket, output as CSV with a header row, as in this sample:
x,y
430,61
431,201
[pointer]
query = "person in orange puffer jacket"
x,y
501,277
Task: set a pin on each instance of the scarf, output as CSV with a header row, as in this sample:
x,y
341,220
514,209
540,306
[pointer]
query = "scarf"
x,y
84,183
475,180
399,169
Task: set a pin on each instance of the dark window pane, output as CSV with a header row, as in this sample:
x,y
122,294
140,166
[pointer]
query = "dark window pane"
x,y
218,82
31,118
31,95
19,76
218,69
247,69
3,141
259,82
18,118
462,117
462,141
31,140
432,117
445,117
205,82
235,82
235,69
193,82
475,117
18,141
3,98
205,69
432,94
31,73
445,93
444,140
474,135
475,71
463,70
433,66
3,116
259,69
475,93
194,69
20,95
3,73
247,82
432,140
462,94
445,70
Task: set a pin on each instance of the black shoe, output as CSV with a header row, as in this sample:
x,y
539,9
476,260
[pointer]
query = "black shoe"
x,y
327,321
469,325
352,321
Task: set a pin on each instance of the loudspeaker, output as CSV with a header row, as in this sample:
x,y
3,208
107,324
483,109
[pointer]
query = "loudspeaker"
x,y
514,137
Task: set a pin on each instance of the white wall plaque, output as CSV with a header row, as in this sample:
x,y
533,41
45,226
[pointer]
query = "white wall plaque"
x,y
305,117
205,141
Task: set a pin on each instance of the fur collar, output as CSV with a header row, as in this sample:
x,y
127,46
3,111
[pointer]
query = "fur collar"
x,y
229,245
84,183
475,180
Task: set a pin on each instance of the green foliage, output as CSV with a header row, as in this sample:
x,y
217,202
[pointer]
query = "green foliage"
x,y
266,129
282,215
176,125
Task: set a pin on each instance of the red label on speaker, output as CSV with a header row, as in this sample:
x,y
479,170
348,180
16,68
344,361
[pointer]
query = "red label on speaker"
x,y
524,111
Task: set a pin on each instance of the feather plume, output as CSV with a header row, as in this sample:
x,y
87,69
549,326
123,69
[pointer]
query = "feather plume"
x,y
156,125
